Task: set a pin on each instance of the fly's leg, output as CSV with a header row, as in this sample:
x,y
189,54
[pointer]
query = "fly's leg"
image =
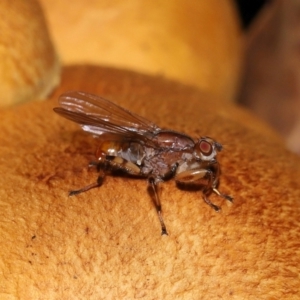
x,y
93,164
153,184
212,205
206,192
88,187
101,167
105,164
194,175
171,173
227,197
120,164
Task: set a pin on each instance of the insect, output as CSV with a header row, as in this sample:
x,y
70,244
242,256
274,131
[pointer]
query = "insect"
x,y
137,147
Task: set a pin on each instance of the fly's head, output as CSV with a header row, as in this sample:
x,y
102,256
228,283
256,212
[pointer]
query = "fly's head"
x,y
206,149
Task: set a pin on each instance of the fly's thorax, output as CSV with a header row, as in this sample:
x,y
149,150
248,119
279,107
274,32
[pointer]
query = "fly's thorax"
x,y
169,139
206,149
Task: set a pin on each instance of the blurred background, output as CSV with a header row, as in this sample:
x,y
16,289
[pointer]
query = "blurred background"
x,y
243,52
270,85
248,10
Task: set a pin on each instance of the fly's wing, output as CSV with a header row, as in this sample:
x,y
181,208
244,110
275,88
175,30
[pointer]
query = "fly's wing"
x,y
104,118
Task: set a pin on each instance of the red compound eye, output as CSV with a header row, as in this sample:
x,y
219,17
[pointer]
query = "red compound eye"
x,y
206,148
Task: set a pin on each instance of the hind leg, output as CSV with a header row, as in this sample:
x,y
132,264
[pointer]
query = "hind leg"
x,y
106,164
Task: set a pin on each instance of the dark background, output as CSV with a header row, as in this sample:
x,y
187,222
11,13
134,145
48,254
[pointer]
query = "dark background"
x,y
248,9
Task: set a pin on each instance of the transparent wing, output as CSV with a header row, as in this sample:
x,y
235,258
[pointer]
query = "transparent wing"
x,y
104,118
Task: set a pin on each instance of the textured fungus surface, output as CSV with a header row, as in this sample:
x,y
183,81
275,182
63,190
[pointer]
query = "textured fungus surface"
x,y
106,244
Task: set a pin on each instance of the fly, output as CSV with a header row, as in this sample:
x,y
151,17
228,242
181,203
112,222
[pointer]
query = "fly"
x,y
137,147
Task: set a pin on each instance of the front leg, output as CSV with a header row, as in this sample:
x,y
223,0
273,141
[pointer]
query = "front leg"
x,y
209,179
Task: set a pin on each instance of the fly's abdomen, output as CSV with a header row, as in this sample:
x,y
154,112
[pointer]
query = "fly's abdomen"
x,y
129,151
121,155
108,148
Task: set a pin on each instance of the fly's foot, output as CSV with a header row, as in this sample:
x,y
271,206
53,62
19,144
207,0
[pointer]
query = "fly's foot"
x,y
216,207
164,231
74,192
162,223
212,205
227,197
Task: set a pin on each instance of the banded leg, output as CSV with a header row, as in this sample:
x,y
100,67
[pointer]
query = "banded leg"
x,y
153,182
194,175
153,185
103,166
101,169
226,197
